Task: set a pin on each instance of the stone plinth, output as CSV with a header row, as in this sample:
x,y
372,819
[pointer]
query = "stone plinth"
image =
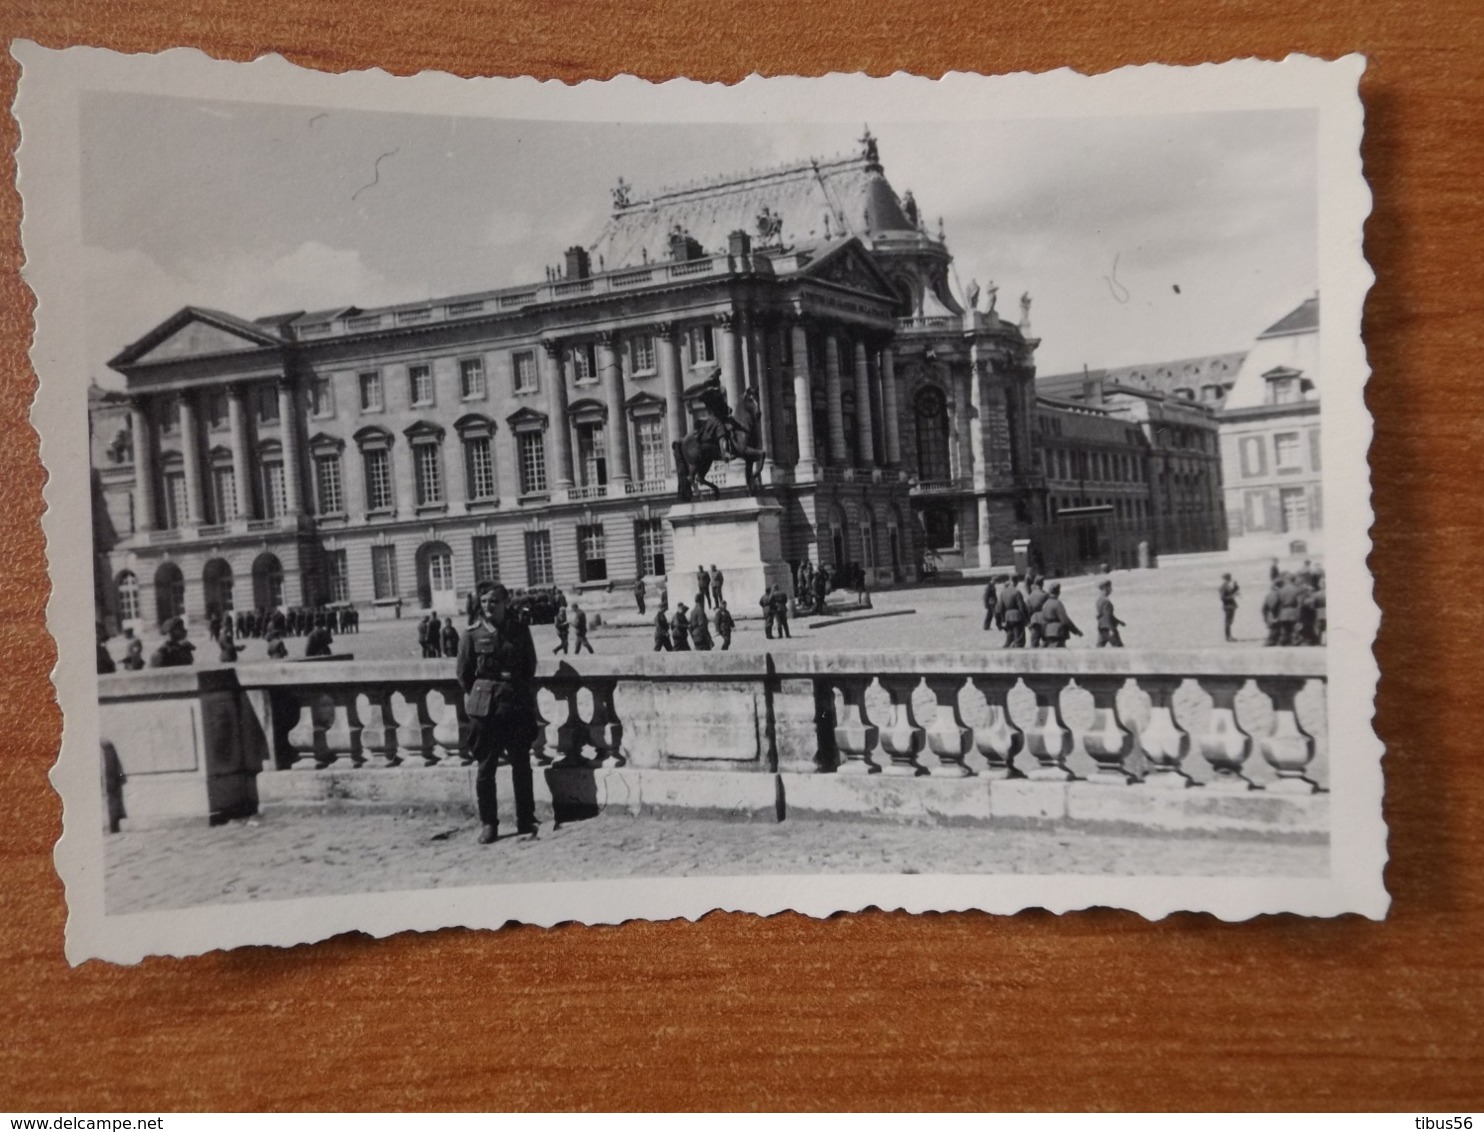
x,y
741,537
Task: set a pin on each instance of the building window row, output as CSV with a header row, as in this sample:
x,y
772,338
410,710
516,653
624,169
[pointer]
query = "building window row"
x,y
1287,453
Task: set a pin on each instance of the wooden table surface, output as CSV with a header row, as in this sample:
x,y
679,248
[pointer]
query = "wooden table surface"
x,y
1092,1010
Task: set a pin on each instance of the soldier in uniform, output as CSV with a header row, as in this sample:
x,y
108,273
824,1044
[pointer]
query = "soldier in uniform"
x,y
495,668
579,626
229,648
1270,606
661,629
562,627
450,639
1035,598
176,651
680,629
778,604
134,658
277,650
703,587
992,602
639,595
1011,614
1229,592
724,626
1290,598
320,641
766,604
1056,621
1108,623
717,580
700,632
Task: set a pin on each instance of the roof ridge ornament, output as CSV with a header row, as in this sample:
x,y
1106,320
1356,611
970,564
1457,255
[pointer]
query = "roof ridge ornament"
x,y
869,150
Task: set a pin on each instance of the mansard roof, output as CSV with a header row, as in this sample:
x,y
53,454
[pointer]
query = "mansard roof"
x,y
1148,377
1303,318
807,201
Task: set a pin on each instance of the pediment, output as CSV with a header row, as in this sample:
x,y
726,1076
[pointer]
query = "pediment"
x,y
850,266
194,332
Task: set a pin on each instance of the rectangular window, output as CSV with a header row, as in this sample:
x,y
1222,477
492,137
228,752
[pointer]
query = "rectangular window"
x,y
224,493
384,572
592,557
471,378
584,364
371,398
592,455
428,460
532,462
420,385
523,371
641,354
702,345
1283,390
1254,457
1287,453
275,493
322,398
1314,449
486,559
1257,511
175,500
339,575
479,468
538,558
268,404
378,462
327,484
649,432
650,535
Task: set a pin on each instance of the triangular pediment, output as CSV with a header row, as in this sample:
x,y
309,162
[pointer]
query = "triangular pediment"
x,y
849,266
194,332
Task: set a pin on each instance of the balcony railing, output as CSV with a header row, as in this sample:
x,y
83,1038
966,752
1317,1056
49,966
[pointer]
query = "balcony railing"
x,y
580,493
650,487
940,487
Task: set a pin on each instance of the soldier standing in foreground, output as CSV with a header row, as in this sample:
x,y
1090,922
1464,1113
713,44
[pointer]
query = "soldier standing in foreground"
x,y
1229,592
496,662
1108,623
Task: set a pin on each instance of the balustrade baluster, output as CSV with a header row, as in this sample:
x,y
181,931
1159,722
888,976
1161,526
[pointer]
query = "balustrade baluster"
x,y
855,735
326,730
1162,741
1048,739
1224,744
451,730
379,729
303,739
414,728
1289,749
574,733
902,738
948,738
998,740
1106,739
605,730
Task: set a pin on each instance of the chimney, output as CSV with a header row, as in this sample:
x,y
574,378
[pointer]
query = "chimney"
x,y
578,264
739,243
683,245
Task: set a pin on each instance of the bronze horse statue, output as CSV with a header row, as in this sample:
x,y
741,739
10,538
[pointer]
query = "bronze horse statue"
x,y
727,434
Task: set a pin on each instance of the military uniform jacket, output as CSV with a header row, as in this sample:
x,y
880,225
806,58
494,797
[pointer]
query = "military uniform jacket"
x,y
1106,619
700,634
1054,616
661,627
1229,591
724,622
1010,606
505,656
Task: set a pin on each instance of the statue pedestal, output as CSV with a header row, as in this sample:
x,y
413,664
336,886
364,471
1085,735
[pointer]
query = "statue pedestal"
x,y
741,537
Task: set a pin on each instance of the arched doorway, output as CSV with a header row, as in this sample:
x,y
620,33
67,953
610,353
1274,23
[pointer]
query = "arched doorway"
x,y
267,581
435,582
169,593
216,580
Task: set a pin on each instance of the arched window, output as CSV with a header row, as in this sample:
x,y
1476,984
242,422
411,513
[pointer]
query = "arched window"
x,y
216,581
128,591
931,419
267,581
169,593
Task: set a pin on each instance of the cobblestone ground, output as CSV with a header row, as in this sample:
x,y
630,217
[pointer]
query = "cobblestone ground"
x,y
335,853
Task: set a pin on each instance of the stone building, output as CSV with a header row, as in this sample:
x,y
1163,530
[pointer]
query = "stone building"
x,y
1270,440
393,457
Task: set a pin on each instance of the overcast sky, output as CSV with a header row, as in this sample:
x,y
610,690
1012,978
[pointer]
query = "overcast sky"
x,y
1140,239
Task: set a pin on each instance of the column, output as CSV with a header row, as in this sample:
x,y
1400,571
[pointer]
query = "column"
x,y
864,431
190,449
832,399
610,373
556,407
669,366
241,453
806,464
761,342
976,454
889,407
730,356
288,425
144,470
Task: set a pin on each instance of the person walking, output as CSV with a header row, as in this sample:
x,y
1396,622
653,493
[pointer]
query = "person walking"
x,y
680,629
779,605
1271,604
1229,591
1057,622
718,579
700,632
703,586
449,639
661,629
1035,599
562,627
639,594
495,668
1290,598
579,627
991,603
1108,622
1010,613
724,626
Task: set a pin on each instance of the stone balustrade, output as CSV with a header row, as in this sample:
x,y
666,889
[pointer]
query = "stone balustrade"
x,y
1218,723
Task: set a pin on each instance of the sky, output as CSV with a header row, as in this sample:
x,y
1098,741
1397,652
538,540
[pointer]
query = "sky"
x,y
1139,239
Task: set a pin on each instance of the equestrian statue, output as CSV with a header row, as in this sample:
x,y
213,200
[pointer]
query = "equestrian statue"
x,y
724,434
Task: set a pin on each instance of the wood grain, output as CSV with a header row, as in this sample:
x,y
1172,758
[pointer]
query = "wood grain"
x,y
1096,1010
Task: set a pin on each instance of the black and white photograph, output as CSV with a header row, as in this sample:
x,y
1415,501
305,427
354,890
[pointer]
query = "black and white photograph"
x,y
499,501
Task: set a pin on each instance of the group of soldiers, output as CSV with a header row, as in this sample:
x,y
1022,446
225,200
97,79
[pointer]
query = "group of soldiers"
x,y
177,651
567,623
297,621
688,629
437,638
1295,609
1031,613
